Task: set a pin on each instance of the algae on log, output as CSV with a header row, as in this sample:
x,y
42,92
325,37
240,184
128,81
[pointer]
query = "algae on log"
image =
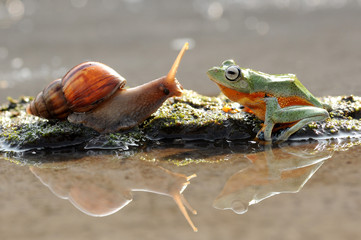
x,y
190,117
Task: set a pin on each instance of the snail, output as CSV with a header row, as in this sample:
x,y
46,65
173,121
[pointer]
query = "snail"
x,y
92,93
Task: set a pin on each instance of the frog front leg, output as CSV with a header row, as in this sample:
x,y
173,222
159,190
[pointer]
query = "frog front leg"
x,y
300,115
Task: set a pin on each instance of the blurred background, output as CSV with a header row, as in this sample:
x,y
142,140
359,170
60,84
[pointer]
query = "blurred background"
x,y
319,40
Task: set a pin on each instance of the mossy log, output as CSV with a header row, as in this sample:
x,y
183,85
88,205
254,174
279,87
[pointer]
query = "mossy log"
x,y
187,118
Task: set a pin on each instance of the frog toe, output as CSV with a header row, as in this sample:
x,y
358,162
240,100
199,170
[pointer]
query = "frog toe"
x,y
263,136
260,135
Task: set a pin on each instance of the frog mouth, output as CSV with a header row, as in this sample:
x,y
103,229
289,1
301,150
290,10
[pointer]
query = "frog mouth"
x,y
214,72
211,72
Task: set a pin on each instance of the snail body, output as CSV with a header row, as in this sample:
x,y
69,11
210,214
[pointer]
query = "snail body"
x,y
127,107
92,93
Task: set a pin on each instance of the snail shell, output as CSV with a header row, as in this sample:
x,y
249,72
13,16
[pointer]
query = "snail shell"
x,y
92,93
83,88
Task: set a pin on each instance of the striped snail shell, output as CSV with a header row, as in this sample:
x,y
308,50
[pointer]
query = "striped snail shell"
x,y
82,89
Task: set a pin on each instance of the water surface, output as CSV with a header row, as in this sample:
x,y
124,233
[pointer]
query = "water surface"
x,y
245,191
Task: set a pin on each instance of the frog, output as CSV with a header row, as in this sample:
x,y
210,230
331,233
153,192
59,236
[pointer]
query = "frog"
x,y
281,101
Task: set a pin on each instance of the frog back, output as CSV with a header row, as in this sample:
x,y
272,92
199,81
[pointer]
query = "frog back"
x,y
285,87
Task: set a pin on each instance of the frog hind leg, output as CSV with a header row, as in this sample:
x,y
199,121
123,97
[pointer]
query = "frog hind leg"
x,y
300,115
288,132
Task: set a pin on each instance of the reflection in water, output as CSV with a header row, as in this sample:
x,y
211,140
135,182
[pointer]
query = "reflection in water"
x,y
281,170
102,185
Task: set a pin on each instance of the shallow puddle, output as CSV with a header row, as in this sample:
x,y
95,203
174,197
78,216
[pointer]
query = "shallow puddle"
x,y
240,190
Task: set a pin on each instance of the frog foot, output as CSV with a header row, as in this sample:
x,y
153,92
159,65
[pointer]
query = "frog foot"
x,y
274,137
260,135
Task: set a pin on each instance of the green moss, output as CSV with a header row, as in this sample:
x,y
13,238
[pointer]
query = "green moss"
x,y
194,116
190,117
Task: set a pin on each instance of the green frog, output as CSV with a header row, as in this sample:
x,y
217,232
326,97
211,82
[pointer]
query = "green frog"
x,y
275,99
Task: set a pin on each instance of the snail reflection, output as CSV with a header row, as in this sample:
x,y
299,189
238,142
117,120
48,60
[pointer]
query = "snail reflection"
x,y
102,185
273,171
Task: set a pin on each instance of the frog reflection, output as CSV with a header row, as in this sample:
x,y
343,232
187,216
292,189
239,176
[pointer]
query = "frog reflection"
x,y
280,170
102,185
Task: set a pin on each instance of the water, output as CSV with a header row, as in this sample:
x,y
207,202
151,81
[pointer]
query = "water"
x,y
239,192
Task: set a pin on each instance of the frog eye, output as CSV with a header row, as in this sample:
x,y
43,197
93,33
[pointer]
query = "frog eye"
x,y
232,73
